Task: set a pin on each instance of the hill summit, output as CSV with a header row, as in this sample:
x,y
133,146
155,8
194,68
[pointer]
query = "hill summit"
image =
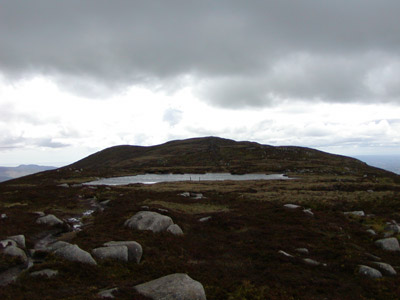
x,y
213,154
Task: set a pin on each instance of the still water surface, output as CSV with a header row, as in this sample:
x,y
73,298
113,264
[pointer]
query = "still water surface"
x,y
155,178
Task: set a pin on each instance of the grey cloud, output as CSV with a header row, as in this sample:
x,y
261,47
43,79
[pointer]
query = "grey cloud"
x,y
100,47
15,142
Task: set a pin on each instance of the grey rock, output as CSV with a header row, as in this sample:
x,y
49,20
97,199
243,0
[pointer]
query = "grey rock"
x,y
369,272
291,206
358,213
148,220
285,253
311,262
205,219
9,276
64,185
111,252
371,231
50,220
185,194
172,287
135,250
175,229
46,272
19,239
55,246
302,250
3,216
388,244
162,210
16,252
385,268
74,253
308,212
107,293
7,242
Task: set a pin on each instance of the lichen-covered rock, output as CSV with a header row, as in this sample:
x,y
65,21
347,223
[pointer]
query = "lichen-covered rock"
x,y
50,220
388,244
175,229
111,252
19,239
7,242
172,287
16,252
74,253
45,273
148,220
385,268
369,272
135,250
55,246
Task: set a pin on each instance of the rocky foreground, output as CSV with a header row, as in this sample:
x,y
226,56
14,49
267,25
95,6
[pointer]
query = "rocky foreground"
x,y
316,237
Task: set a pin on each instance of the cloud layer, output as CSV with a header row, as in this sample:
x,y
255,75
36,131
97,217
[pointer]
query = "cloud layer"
x,y
238,54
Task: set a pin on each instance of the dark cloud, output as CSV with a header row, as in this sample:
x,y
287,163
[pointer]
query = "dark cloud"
x,y
243,53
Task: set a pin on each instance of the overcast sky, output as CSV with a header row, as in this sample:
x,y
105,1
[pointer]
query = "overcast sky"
x,y
79,76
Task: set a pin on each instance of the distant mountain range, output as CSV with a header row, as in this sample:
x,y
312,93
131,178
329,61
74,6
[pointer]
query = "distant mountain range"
x,y
7,173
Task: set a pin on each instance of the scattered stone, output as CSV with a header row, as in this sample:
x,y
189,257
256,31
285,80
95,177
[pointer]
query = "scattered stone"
x,y
16,252
185,194
308,212
148,220
39,213
388,234
358,213
3,216
395,228
162,210
46,272
285,253
385,268
292,206
388,244
371,231
8,242
173,287
74,253
135,250
311,262
197,195
64,185
371,256
302,250
370,191
369,272
107,293
19,239
50,220
205,219
111,252
175,229
104,203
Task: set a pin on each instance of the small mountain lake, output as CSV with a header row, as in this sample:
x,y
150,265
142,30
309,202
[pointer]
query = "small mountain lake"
x,y
156,178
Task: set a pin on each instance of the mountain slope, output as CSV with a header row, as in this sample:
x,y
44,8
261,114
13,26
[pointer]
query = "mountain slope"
x,y
7,173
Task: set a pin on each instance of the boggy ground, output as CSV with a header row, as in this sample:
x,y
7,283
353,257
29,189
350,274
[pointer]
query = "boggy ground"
x,y
234,254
